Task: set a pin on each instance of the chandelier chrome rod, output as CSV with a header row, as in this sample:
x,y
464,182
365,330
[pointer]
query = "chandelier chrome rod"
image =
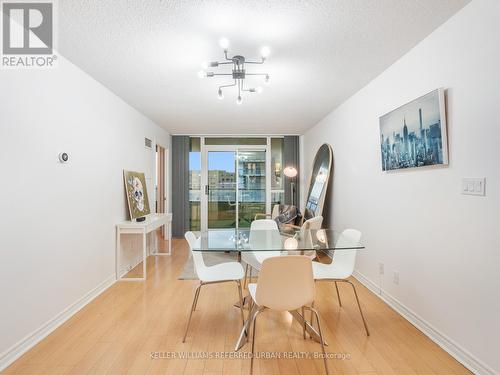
x,y
256,62
234,84
246,90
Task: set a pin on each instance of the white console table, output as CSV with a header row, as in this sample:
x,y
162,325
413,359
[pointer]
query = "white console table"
x,y
152,222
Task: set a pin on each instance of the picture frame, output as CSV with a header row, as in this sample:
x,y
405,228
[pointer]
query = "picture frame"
x,y
137,194
414,135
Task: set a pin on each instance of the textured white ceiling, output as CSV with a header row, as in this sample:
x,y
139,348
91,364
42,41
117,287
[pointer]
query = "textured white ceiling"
x,y
149,52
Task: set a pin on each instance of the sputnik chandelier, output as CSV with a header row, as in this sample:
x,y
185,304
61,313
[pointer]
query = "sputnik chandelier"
x,y
238,72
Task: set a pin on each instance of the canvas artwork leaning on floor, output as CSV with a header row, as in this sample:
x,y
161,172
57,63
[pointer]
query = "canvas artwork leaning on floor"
x,y
414,135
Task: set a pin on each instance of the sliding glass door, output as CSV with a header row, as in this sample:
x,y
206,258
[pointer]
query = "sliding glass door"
x,y
220,189
251,186
234,185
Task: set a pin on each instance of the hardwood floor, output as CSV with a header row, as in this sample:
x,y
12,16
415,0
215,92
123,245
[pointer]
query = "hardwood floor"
x,y
118,332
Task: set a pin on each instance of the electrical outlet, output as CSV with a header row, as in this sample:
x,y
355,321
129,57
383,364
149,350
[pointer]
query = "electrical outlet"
x,y
395,277
381,268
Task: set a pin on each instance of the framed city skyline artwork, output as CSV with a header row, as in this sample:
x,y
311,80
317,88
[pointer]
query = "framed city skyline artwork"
x,y
414,135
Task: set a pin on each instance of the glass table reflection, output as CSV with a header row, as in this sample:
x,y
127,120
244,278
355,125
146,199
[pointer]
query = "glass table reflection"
x,y
240,240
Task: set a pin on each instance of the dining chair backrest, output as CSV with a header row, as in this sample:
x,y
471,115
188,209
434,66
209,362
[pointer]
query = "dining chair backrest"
x,y
275,212
263,224
346,259
269,239
285,283
198,262
312,224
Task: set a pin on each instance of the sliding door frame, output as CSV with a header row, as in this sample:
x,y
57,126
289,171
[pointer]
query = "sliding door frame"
x,y
205,149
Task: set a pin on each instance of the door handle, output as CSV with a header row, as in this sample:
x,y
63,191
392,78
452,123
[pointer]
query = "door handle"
x,y
207,189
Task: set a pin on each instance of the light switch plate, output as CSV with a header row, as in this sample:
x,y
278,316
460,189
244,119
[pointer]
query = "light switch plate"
x,y
474,186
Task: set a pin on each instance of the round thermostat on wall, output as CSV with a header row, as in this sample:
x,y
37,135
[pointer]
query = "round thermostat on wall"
x,y
63,157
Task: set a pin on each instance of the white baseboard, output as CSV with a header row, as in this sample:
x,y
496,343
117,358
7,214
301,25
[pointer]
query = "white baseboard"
x,y
450,346
18,349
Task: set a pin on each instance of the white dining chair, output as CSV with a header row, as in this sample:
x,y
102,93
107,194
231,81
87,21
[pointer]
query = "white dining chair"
x,y
220,273
313,223
254,259
341,267
285,283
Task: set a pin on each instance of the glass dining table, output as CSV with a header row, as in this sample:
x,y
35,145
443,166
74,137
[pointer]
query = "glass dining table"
x,y
287,241
241,240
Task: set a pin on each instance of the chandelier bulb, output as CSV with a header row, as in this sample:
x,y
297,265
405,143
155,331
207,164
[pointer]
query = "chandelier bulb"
x,y
220,95
224,43
204,65
239,100
202,74
267,78
265,51
258,89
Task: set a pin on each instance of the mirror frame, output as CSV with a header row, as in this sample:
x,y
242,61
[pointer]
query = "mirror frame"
x,y
321,200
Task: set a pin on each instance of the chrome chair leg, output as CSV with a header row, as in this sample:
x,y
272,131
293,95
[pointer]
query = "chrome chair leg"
x,y
192,309
245,278
253,310
338,294
313,310
246,328
196,296
240,292
254,322
359,306
312,320
304,325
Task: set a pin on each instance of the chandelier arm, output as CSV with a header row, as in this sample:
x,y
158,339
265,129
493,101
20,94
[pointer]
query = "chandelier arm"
x,y
225,54
256,74
243,87
255,62
234,84
223,74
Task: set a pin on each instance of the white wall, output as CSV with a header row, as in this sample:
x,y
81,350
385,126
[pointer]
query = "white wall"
x,y
446,246
57,239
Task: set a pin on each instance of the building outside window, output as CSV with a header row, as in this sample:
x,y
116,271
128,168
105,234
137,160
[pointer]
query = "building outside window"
x,y
194,184
277,177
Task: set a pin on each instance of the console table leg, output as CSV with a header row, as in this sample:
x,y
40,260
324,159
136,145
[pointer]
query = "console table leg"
x,y
144,254
118,251
169,236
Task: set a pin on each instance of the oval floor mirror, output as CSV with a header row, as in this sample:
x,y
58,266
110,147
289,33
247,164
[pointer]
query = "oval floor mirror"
x,y
318,184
